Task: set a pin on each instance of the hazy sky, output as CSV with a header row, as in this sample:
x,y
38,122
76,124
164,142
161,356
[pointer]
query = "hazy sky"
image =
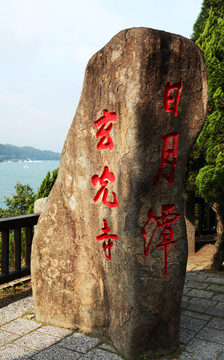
x,y
44,48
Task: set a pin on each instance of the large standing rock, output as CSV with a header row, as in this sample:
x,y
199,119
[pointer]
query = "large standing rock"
x,y
134,298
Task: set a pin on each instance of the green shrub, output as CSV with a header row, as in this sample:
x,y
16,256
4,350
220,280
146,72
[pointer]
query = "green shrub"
x,y
45,188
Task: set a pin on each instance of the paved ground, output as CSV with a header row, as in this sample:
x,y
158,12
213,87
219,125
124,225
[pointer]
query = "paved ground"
x,y
201,335
201,259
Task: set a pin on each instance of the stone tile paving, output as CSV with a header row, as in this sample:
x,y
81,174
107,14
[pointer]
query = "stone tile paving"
x,y
57,353
201,331
79,342
6,337
98,354
9,313
20,326
23,304
203,301
14,352
55,331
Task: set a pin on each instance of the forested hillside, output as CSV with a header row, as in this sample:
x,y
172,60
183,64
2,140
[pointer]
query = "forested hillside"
x,y
15,153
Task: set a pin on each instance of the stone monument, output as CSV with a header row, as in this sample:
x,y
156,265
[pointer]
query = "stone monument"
x,y
110,249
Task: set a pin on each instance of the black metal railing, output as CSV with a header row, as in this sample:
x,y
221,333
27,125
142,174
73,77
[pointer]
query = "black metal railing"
x,y
16,224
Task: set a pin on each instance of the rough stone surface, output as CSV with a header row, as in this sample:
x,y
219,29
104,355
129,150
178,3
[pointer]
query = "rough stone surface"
x,y
127,298
39,205
190,225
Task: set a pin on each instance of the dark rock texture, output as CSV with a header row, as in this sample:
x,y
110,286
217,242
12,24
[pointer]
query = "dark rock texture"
x,y
132,298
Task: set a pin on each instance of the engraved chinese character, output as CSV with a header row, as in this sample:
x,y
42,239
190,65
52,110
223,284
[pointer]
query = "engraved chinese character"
x,y
170,102
106,174
106,235
168,158
163,222
108,247
106,141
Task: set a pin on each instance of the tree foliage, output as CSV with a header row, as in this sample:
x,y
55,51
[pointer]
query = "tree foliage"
x,y
45,187
211,140
218,8
210,181
205,173
208,150
18,203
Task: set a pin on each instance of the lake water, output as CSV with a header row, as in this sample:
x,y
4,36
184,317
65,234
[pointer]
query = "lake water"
x,y
31,173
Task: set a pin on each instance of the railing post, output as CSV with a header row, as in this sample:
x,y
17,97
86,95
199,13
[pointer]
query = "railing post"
x,y
16,223
17,249
28,243
5,252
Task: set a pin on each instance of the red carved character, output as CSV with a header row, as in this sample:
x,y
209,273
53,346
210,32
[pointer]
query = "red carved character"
x,y
106,235
168,158
106,174
168,99
108,247
106,141
166,237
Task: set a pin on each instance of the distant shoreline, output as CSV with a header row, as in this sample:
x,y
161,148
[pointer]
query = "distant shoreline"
x,y
12,153
27,161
